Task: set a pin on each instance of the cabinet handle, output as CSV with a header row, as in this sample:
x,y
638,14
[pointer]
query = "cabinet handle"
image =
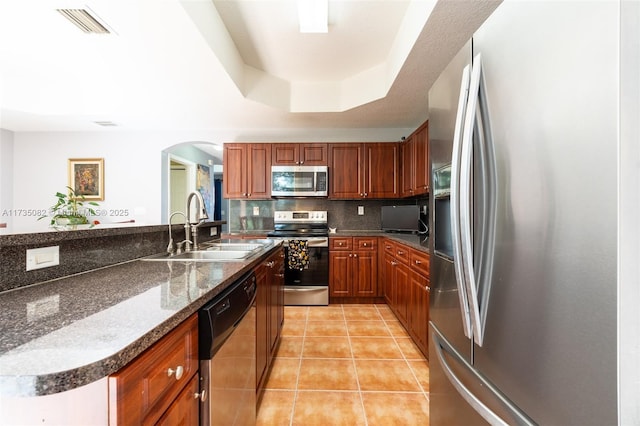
x,y
249,195
270,264
364,244
350,255
355,255
400,252
394,263
202,395
302,162
418,262
366,194
178,372
427,288
280,275
361,194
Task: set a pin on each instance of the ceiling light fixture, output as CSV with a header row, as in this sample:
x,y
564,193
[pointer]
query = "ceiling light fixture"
x,y
313,16
85,20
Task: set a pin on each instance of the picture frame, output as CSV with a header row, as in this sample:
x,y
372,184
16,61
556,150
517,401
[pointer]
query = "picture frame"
x,y
86,177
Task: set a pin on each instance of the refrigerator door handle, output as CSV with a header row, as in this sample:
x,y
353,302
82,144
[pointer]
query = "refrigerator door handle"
x,y
478,257
468,396
455,202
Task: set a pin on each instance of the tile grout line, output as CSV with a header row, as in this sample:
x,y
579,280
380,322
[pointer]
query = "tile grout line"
x,y
355,370
295,391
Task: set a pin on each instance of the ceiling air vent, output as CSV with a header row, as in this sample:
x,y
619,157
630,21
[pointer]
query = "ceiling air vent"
x,y
106,123
84,20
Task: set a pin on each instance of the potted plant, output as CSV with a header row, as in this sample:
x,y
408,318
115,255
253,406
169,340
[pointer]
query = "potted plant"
x,y
70,209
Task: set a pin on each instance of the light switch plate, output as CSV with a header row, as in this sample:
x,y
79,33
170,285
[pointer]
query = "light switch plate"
x,y
256,211
43,257
360,210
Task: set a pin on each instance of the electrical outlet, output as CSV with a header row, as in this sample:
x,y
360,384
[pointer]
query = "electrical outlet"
x,y
360,210
256,211
43,257
213,231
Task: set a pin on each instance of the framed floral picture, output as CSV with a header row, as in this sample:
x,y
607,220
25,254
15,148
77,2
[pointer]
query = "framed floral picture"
x,y
86,177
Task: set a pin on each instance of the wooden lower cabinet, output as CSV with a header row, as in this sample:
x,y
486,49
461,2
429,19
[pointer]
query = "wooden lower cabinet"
x,y
353,267
418,311
405,273
186,408
154,384
269,313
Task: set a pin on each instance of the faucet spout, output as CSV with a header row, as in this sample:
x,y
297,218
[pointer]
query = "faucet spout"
x,y
200,216
170,248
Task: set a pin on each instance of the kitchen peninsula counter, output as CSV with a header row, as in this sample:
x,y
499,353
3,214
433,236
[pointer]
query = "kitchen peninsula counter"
x,y
65,333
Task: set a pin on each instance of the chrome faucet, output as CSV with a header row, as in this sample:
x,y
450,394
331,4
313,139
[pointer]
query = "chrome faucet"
x,y
170,248
201,216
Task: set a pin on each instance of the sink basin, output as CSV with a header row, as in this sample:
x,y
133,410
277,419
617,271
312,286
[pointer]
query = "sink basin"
x,y
234,246
204,256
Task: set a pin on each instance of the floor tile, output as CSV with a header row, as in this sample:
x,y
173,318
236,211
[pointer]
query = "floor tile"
x,y
396,328
421,371
313,408
327,374
408,348
375,348
284,373
293,327
326,347
326,313
367,328
276,408
401,409
296,312
361,312
290,347
326,328
387,375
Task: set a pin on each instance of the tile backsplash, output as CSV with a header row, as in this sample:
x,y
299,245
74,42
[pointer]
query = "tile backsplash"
x,y
342,214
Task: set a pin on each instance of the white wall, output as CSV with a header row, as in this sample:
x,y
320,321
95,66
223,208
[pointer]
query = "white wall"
x,y
133,164
6,171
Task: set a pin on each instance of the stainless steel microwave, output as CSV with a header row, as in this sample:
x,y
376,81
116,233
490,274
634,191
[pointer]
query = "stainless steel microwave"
x,y
299,181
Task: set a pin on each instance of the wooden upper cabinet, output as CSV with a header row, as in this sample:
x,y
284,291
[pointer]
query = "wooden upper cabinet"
x,y
415,163
345,160
247,170
364,170
299,154
381,173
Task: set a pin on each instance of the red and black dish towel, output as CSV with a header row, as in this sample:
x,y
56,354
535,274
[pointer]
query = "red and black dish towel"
x,y
298,255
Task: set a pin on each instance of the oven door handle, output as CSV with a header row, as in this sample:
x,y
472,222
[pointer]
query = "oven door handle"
x,y
318,242
303,290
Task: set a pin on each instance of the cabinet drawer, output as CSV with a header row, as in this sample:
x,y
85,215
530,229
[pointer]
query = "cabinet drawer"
x,y
420,262
402,253
389,246
341,243
365,243
143,390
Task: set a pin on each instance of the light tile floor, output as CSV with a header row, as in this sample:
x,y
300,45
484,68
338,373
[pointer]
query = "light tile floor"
x,y
345,365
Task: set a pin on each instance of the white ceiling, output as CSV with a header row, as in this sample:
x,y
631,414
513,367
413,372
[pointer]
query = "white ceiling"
x,y
198,64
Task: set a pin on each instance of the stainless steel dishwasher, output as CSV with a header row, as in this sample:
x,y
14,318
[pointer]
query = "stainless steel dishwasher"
x,y
227,346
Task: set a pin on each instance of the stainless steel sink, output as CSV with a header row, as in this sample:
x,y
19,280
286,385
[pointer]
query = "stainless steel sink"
x,y
213,253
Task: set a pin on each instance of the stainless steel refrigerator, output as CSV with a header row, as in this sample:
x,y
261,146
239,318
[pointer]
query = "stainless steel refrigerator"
x,y
523,131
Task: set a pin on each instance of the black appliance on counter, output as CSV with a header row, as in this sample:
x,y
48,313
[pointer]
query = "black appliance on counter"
x,y
401,219
305,235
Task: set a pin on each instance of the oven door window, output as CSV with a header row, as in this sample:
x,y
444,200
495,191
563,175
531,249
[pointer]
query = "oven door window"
x,y
317,272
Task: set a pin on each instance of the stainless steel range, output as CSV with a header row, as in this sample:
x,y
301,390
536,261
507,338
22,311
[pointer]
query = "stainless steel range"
x,y
306,240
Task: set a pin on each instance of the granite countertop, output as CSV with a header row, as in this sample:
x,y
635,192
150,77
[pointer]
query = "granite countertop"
x,y
66,333
419,242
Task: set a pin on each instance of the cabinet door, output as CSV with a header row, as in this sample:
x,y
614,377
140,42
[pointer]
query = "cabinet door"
x,y
403,294
258,171
345,162
408,166
186,408
365,279
340,273
381,173
421,160
234,182
285,154
262,325
419,311
314,154
388,276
